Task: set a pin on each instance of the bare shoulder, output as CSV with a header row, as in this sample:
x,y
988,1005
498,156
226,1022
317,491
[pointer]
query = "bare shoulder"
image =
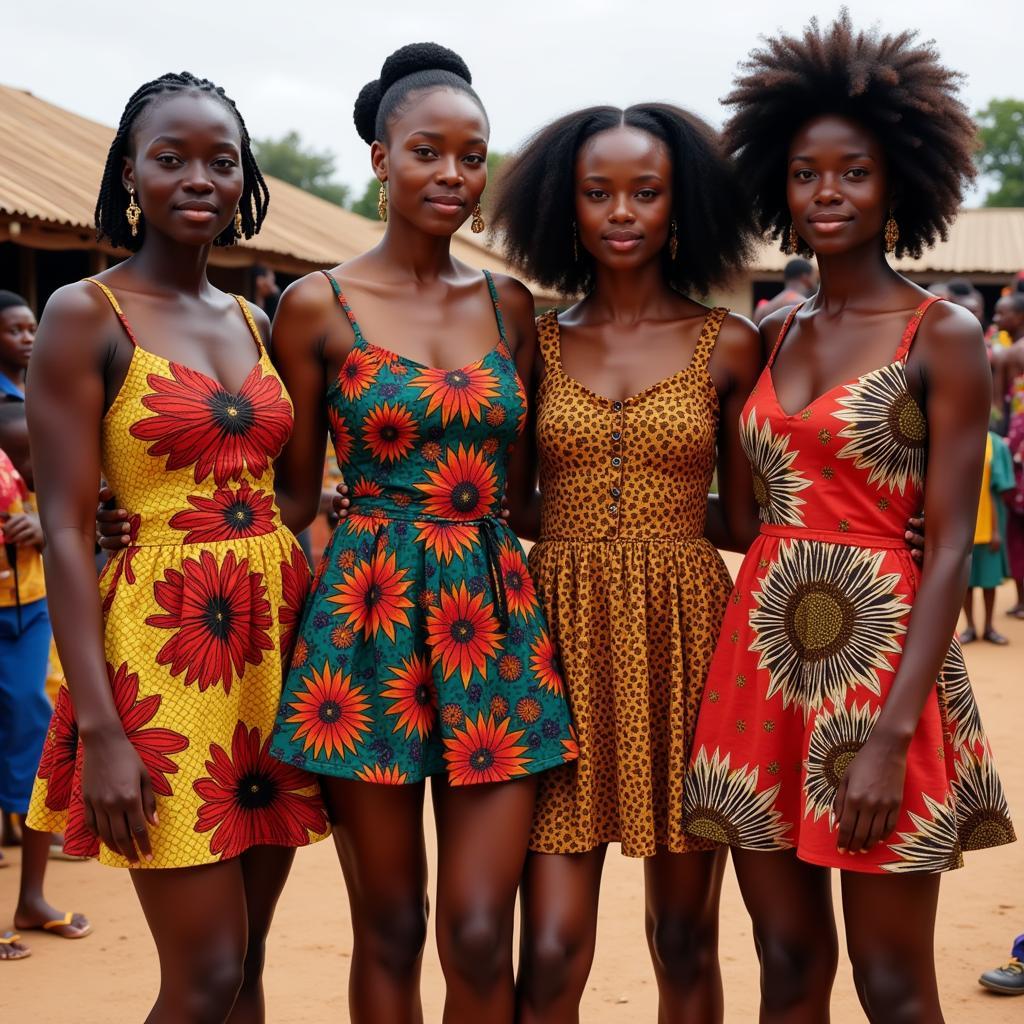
x,y
261,320
78,318
738,336
771,327
517,311
951,335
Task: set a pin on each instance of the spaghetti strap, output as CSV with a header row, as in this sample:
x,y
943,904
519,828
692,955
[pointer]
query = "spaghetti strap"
x,y
343,302
247,313
117,309
910,331
708,337
785,330
547,338
497,304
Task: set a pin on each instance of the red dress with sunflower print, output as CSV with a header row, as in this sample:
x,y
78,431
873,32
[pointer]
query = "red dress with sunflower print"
x,y
199,613
813,636
422,649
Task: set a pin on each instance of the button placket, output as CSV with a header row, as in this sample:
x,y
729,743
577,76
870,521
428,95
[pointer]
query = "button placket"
x,y
616,460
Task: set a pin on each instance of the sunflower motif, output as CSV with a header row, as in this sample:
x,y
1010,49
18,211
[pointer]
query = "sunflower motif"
x,y
571,746
329,713
887,431
120,565
373,596
528,709
932,846
725,806
60,752
390,776
446,541
545,664
510,667
825,621
462,487
413,697
982,816
341,436
466,393
462,633
295,587
390,431
776,483
228,515
199,423
518,582
835,741
957,698
484,751
357,373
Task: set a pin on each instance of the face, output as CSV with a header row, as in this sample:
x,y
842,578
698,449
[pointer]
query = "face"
x,y
186,167
837,185
623,197
1007,318
266,284
17,332
435,160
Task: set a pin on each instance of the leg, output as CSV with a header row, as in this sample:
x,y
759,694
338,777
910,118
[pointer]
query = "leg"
x,y
197,918
264,872
790,905
890,931
378,831
482,831
558,902
970,634
683,891
33,910
991,634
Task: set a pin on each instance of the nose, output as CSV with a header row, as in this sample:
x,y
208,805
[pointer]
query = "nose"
x,y
198,178
621,212
828,190
449,172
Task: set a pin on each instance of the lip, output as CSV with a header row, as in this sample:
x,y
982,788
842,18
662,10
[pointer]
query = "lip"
x,y
446,203
622,239
198,211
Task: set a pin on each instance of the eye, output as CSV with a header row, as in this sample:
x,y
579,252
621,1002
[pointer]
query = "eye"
x,y
647,194
168,159
804,174
475,159
596,194
225,163
857,173
423,151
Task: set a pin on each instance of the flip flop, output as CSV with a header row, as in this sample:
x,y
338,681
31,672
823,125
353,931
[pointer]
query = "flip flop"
x,y
71,930
57,853
10,940
968,636
992,637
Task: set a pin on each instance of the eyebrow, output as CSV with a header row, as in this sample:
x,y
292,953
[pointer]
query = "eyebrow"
x,y
639,177
846,156
440,137
173,140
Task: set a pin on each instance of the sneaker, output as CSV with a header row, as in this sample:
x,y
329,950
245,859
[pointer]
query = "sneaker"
x,y
1008,979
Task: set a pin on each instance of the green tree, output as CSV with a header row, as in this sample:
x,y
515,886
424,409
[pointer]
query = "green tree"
x,y
288,159
1001,130
366,204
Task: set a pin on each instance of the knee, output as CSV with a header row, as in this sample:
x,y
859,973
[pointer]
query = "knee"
x,y
554,965
684,949
476,946
213,982
395,936
796,970
890,991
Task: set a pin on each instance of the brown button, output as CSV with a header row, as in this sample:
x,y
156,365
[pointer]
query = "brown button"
x,y
616,461
614,509
616,407
616,435
616,492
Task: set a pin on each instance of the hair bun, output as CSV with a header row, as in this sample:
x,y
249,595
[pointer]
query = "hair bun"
x,y
365,111
407,60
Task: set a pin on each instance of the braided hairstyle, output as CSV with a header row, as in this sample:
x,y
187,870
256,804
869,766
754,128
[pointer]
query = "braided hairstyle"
x,y
113,199
893,85
410,69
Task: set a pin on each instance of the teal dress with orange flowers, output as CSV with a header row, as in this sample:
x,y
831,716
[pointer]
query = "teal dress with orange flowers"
x,y
422,648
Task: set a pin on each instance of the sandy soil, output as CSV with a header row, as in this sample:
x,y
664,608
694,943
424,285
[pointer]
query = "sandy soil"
x,y
112,976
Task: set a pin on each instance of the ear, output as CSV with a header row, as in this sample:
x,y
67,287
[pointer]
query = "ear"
x,y
128,173
379,161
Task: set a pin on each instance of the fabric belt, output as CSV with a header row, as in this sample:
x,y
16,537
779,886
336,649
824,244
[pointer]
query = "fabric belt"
x,y
860,540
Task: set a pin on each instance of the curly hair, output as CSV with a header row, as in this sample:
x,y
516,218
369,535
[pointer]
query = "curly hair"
x,y
411,68
535,208
113,199
893,85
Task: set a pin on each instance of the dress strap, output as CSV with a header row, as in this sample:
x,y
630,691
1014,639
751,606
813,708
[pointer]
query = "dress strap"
x,y
117,309
547,338
910,331
247,313
785,330
708,337
492,288
343,302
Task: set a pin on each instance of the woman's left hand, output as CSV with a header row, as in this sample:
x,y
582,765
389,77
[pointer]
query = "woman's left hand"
x,y
23,529
915,537
868,799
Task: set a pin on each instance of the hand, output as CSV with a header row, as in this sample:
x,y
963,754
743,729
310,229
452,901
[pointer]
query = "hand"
x,y
23,529
112,527
118,796
868,799
915,537
996,542
340,503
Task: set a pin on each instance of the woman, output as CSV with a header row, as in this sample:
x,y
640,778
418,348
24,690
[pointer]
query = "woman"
x,y
838,727
422,651
158,752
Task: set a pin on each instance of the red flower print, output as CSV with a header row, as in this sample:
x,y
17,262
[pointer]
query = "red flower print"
x,y
462,633
199,423
152,745
249,799
220,615
545,664
528,709
228,515
499,706
374,596
571,746
330,713
300,653
465,393
390,432
413,697
510,668
357,373
57,764
452,715
462,487
340,435
364,488
517,579
79,841
122,563
343,637
484,752
446,541
294,590
390,776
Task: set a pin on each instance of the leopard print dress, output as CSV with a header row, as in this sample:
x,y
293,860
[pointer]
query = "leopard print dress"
x,y
634,596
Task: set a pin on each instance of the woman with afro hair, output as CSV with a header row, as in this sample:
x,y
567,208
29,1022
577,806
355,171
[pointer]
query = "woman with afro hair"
x,y
838,727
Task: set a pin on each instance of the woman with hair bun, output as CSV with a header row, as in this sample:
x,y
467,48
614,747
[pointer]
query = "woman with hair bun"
x,y
838,727
422,651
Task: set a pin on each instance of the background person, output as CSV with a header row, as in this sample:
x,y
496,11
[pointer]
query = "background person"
x,y
799,283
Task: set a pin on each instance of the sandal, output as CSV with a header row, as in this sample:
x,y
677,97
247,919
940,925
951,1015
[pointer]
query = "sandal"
x,y
11,947
992,637
70,926
968,636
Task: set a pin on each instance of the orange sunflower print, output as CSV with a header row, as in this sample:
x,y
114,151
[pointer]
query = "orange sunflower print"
x,y
462,487
390,776
329,713
413,696
374,596
484,751
544,663
357,373
462,633
447,540
464,393
228,515
518,581
390,432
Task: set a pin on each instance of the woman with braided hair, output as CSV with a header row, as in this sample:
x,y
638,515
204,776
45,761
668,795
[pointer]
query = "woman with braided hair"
x,y
157,758
838,727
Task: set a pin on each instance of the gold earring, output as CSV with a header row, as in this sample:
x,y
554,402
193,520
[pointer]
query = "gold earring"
x,y
238,223
575,245
892,233
133,213
792,243
673,241
382,202
478,224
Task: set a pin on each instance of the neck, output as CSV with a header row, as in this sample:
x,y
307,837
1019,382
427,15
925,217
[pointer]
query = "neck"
x,y
413,252
848,277
628,296
177,267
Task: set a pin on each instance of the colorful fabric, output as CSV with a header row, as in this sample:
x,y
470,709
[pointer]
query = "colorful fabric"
x,y
989,568
983,525
634,596
422,649
199,614
813,637
23,582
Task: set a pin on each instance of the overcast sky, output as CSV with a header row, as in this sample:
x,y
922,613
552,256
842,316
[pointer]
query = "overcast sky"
x,y
298,65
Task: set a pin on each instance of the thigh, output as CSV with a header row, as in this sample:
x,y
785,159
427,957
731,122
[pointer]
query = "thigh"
x,y
264,873
685,886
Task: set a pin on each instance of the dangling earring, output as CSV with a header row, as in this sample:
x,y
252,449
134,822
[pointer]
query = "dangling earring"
x,y
133,213
382,202
892,233
792,243
673,241
238,223
478,220
575,245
